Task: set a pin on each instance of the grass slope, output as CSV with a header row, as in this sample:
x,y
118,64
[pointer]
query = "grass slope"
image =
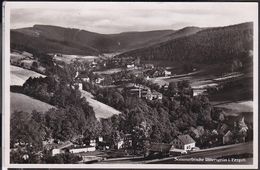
x,y
21,102
20,75
101,110
234,108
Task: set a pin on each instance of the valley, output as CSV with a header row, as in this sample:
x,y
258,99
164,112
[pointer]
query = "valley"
x,y
151,95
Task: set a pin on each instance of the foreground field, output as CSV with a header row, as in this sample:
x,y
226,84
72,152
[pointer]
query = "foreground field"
x,y
101,110
21,102
20,75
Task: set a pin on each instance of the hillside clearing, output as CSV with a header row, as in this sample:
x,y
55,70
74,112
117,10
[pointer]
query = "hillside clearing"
x,y
20,75
109,71
101,110
21,102
70,58
235,108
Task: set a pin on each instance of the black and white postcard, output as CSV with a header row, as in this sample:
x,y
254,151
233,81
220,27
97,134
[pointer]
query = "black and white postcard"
x,y
130,85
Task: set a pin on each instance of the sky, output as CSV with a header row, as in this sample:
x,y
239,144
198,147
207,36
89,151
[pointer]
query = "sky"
x,y
116,17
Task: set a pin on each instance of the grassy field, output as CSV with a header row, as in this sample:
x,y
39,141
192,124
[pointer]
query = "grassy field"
x,y
20,75
70,58
101,110
161,63
109,71
21,102
235,108
241,91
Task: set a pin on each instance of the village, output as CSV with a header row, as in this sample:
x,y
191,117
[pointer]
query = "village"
x,y
134,78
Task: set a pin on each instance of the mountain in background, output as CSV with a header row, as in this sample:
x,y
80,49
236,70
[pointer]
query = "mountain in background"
x,y
188,45
39,44
202,46
74,41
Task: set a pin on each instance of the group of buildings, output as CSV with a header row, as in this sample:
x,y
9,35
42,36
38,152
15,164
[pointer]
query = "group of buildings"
x,y
142,91
22,59
26,60
181,143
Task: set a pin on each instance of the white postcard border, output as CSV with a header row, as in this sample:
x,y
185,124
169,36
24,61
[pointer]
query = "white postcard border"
x,y
7,6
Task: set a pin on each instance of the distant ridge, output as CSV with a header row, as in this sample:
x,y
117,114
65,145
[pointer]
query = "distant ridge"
x,y
202,46
76,41
194,44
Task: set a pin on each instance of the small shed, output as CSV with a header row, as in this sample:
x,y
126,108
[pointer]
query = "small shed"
x,y
161,148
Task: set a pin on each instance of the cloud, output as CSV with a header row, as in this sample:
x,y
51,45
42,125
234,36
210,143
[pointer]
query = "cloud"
x,y
114,17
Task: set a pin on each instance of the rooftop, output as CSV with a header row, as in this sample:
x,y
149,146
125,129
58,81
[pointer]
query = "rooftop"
x,y
64,145
186,139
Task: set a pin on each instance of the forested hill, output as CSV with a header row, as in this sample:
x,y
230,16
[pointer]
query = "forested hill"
x,y
34,44
210,45
202,45
75,41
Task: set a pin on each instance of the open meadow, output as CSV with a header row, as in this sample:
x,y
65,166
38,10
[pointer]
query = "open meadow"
x,y
71,58
20,75
101,110
21,102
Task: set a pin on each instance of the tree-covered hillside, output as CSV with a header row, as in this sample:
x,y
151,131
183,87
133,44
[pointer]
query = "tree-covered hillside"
x,y
76,41
23,42
211,45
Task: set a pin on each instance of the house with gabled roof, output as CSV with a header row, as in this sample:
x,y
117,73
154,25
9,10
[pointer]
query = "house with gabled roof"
x,y
228,138
223,129
185,142
58,149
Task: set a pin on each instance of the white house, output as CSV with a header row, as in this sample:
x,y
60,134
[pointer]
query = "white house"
x,y
153,95
82,149
93,142
184,142
87,79
80,86
197,92
77,86
100,139
59,149
120,144
167,73
130,65
99,80
56,151
242,125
